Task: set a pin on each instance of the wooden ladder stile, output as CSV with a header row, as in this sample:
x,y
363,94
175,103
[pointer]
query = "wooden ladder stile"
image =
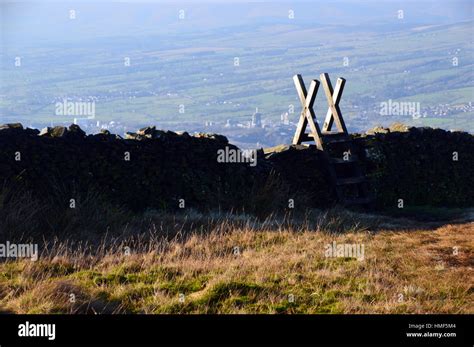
x,y
325,139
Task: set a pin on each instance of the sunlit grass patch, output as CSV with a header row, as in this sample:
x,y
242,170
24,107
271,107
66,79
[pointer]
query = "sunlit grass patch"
x,y
258,269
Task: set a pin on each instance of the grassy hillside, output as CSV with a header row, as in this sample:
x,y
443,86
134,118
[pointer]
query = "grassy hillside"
x,y
219,264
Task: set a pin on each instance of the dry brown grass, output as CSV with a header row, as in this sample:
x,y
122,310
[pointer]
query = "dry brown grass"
x,y
403,271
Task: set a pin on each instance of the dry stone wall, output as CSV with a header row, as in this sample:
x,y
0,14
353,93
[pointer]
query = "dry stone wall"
x,y
165,170
155,170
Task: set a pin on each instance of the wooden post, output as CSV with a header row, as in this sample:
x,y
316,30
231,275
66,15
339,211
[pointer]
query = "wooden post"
x,y
333,97
307,114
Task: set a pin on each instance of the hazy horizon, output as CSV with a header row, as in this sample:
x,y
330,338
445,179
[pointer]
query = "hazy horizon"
x,y
174,64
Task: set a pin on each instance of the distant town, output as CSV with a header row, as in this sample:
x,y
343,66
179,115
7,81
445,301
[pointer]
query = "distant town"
x,y
261,130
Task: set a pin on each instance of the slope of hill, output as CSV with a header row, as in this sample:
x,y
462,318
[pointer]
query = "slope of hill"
x,y
237,264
